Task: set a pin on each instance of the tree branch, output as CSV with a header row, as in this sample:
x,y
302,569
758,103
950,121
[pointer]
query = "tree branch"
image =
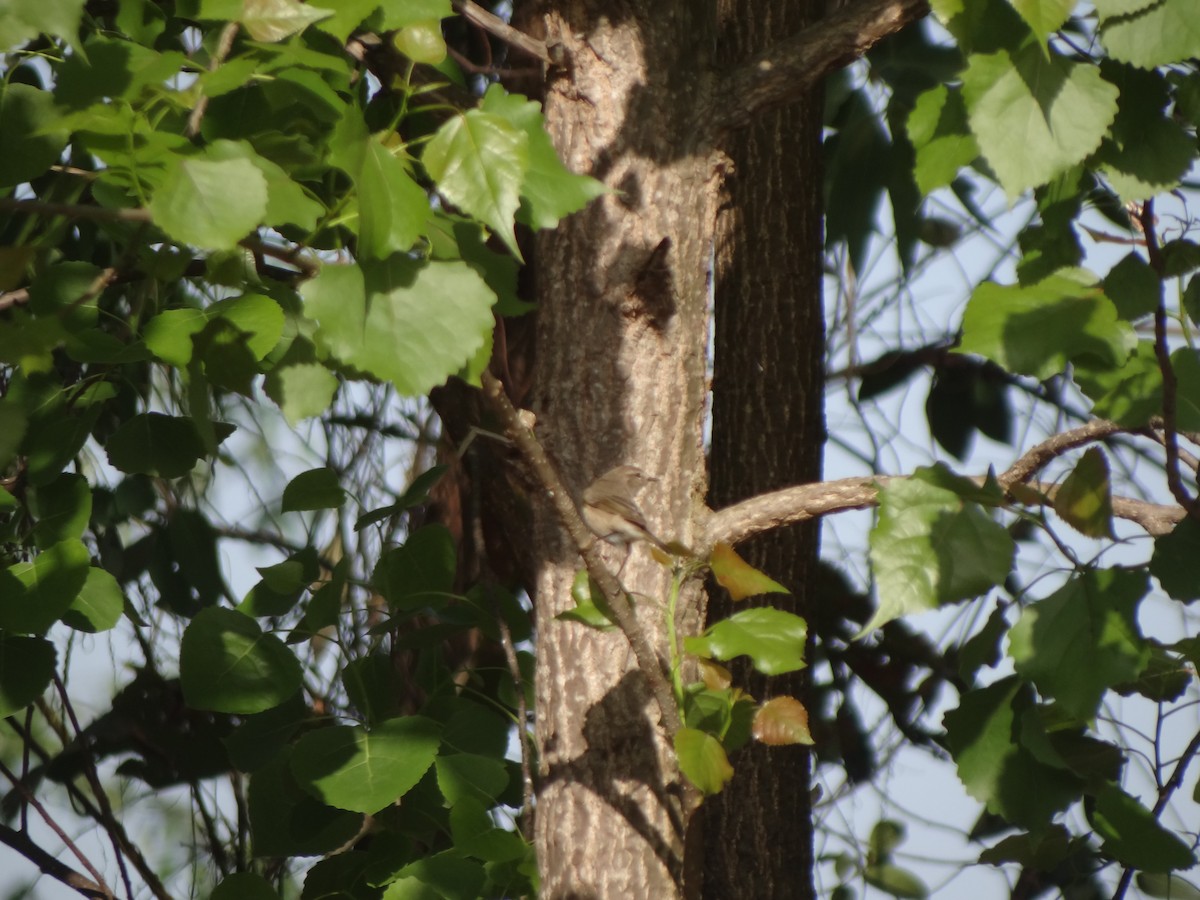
x,y
767,512
46,862
587,544
28,797
498,28
785,70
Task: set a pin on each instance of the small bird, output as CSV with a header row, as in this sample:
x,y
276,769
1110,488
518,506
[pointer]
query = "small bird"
x,y
609,508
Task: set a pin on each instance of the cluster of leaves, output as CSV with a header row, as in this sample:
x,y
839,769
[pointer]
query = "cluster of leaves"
x,y
719,718
1103,130
199,201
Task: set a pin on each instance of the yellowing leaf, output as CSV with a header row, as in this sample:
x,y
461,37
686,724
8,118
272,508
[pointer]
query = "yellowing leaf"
x,y
274,20
1085,499
738,577
714,675
782,720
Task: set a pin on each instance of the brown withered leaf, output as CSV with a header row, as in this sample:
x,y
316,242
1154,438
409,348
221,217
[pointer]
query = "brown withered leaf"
x,y
782,720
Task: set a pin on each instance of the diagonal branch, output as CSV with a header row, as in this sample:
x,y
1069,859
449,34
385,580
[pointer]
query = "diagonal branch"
x,y
586,543
766,512
785,70
49,865
498,28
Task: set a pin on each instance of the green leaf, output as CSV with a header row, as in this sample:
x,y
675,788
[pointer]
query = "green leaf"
x,y
422,42
227,664
475,835
301,390
929,547
443,875
1154,34
1174,560
1083,639
740,578
63,509
210,204
1044,16
1186,363
1133,836
550,191
1035,117
169,334
262,737
420,573
702,759
1084,499
994,767
287,201
244,886
895,881
463,776
1146,152
372,687
314,489
348,15
1168,887
274,20
31,136
392,208
408,322
364,771
1133,287
34,594
479,161
772,638
26,669
255,315
21,21
1037,329
397,15
941,136
1130,395
99,605
590,609
157,444
286,821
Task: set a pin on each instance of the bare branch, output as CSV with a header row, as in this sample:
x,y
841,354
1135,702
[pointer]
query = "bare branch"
x,y
587,545
46,862
224,45
784,71
497,27
27,796
767,512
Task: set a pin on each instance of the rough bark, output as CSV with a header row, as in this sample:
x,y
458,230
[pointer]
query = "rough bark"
x,y
768,396
622,349
625,289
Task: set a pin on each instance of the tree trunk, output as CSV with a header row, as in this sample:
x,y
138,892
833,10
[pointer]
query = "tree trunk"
x,y
768,402
625,291
622,354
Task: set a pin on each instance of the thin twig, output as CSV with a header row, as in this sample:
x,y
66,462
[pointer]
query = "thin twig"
x,y
294,256
28,796
224,45
523,737
93,780
586,543
497,27
47,864
1145,219
76,210
1164,797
